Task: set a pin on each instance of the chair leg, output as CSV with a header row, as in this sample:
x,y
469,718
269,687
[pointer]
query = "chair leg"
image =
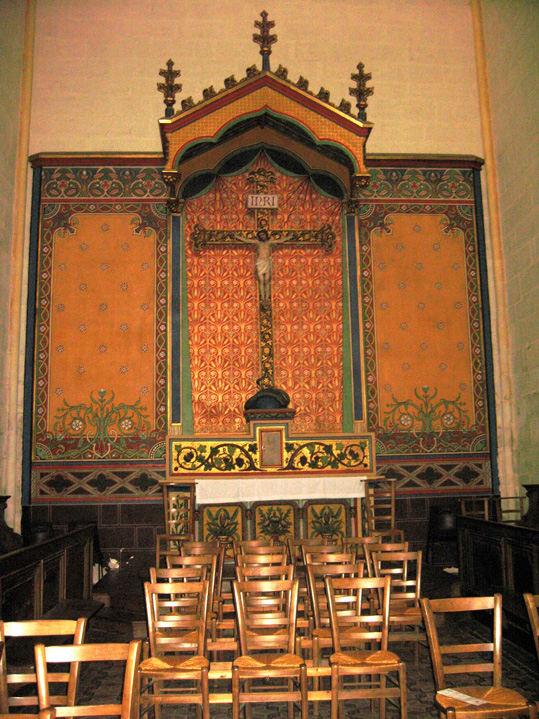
x,y
383,684
316,663
291,704
304,694
334,692
402,687
205,691
235,693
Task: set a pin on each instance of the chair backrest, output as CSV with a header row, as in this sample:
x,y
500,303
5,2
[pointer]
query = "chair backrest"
x,y
180,574
391,534
194,548
532,605
359,544
250,546
174,610
76,655
265,572
333,548
373,548
330,558
244,560
30,632
404,568
316,574
380,503
478,507
469,657
168,544
355,613
509,509
266,614
214,563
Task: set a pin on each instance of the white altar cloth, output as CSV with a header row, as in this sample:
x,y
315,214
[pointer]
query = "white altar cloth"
x,y
213,491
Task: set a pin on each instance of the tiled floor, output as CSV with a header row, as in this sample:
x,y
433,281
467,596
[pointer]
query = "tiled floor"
x,y
520,670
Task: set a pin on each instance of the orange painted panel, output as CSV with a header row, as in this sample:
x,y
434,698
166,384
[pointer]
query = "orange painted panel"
x,y
421,310
102,313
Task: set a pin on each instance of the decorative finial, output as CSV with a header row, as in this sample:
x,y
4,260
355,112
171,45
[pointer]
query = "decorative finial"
x,y
264,39
361,92
169,88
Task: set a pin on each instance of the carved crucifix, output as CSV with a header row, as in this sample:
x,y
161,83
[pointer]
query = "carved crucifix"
x,y
264,238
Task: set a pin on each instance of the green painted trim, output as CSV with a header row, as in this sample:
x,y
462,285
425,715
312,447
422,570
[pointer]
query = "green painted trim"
x,y
215,140
347,380
187,389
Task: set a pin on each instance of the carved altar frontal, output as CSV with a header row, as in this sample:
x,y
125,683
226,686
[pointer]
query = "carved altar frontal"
x,y
269,448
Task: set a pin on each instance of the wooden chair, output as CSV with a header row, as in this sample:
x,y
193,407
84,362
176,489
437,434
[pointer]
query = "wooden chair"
x,y
487,700
478,507
333,548
405,617
176,615
509,509
380,503
190,548
250,546
267,641
295,547
330,558
365,626
76,655
532,605
167,545
374,548
179,574
264,572
244,560
391,535
359,544
213,562
25,634
320,632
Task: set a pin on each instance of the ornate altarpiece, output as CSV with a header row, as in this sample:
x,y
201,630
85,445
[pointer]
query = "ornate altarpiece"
x,y
146,330
265,155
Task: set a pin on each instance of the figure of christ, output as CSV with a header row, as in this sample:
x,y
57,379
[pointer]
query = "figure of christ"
x,y
263,244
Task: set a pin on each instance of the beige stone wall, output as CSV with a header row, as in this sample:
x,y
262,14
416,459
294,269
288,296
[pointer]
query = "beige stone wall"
x,y
11,50
513,59
97,65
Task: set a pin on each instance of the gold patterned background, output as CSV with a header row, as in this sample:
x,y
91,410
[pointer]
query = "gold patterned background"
x,y
223,308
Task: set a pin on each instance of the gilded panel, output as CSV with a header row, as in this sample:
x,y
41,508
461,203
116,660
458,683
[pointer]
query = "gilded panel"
x,y
223,308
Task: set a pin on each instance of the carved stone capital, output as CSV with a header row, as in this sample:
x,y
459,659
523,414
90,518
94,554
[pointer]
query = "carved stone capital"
x,y
351,207
359,180
172,180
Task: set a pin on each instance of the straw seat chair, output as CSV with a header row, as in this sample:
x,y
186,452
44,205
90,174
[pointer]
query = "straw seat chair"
x,y
167,545
176,614
371,549
488,699
79,654
405,616
28,633
532,606
266,613
380,503
320,631
363,622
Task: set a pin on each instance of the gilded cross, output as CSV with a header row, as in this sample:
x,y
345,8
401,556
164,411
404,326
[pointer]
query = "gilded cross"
x,y
264,238
169,88
264,39
361,92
